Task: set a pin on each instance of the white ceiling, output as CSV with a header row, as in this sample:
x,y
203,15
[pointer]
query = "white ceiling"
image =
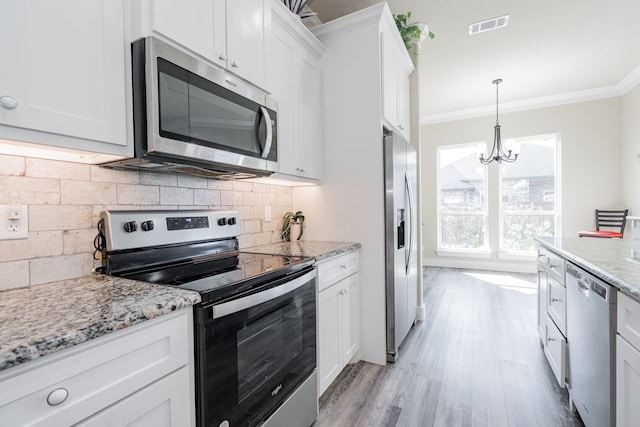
x,y
552,52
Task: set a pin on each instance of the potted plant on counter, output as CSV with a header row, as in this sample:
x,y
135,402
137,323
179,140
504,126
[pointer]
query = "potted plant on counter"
x,y
292,226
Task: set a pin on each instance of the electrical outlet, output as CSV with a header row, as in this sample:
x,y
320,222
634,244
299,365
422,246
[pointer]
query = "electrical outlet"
x,y
267,213
12,229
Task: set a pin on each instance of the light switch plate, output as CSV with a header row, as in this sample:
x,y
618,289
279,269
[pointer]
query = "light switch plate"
x,y
22,231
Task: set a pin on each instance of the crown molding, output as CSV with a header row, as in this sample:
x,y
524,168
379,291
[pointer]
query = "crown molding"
x,y
620,89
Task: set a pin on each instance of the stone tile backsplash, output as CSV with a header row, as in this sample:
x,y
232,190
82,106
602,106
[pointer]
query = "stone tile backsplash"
x,y
65,200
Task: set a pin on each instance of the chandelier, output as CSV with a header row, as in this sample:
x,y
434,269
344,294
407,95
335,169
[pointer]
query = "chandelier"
x,y
497,151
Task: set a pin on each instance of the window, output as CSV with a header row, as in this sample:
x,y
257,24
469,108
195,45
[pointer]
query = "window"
x,y
528,189
462,206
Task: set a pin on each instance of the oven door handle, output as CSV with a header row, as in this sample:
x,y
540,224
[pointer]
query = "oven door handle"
x,y
227,308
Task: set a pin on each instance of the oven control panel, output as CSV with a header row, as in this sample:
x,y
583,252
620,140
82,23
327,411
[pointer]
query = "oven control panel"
x,y
139,229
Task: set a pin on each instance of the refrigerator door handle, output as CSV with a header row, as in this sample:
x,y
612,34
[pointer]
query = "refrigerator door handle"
x,y
408,253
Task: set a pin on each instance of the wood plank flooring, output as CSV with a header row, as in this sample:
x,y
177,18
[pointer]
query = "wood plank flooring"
x,y
476,360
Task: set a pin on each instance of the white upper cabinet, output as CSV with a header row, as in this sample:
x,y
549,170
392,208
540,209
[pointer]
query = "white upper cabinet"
x,y
396,72
233,34
294,76
64,81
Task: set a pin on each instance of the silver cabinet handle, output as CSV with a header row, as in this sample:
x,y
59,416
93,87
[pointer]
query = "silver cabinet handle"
x,y
343,291
8,102
343,266
57,396
222,57
555,299
550,339
234,65
300,169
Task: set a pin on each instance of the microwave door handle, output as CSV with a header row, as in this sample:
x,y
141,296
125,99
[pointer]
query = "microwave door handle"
x,y
269,138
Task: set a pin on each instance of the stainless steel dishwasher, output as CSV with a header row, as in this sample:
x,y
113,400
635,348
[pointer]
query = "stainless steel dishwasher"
x,y
591,333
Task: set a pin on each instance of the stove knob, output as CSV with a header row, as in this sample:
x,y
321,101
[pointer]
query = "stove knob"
x,y
231,221
147,225
130,226
222,221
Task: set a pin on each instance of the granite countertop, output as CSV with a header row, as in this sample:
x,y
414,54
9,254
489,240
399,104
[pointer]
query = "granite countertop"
x,y
316,249
608,259
39,320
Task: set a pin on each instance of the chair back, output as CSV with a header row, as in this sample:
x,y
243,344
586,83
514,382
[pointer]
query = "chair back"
x,y
614,220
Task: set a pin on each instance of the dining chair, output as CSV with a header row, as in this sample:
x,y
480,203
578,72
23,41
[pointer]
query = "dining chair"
x,y
611,220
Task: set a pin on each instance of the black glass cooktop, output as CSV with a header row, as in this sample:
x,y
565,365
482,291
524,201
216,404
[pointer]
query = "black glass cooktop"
x,y
224,277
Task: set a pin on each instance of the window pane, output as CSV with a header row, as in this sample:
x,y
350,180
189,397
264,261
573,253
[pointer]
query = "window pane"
x,y
528,195
461,180
462,202
529,183
462,231
518,231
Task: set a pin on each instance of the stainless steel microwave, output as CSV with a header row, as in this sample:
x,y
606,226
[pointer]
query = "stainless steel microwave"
x,y
192,117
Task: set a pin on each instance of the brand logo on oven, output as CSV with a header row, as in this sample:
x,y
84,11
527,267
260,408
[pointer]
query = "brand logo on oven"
x,y
276,390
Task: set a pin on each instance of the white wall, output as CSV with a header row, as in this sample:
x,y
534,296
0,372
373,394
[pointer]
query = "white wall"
x,y
630,125
590,152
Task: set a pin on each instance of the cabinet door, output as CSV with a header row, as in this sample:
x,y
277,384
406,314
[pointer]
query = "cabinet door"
x,y
248,28
329,336
543,284
163,403
404,104
350,306
282,76
196,24
389,82
64,64
627,384
309,119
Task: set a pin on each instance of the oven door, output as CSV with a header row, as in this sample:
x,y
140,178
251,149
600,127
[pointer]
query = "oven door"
x,y
254,351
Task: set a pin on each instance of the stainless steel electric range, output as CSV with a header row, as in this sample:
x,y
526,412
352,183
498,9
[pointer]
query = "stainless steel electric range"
x,y
255,329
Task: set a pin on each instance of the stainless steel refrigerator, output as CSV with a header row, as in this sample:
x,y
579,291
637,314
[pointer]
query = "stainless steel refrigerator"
x,y
400,176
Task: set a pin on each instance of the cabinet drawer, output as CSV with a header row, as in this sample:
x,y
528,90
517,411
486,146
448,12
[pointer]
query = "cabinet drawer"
x,y
557,305
555,349
629,319
336,269
557,267
163,403
95,374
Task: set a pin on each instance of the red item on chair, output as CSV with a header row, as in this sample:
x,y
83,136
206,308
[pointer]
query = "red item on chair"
x,y
608,219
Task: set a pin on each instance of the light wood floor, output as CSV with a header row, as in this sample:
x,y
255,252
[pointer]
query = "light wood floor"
x,y
475,361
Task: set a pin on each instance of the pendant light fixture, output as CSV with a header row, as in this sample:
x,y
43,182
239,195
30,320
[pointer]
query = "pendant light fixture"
x,y
497,151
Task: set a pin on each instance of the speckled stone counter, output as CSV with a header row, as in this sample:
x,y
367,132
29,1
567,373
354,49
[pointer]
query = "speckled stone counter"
x,y
316,249
43,319
609,259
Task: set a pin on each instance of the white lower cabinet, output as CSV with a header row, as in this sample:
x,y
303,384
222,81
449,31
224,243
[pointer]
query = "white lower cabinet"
x,y
134,376
628,362
552,311
338,316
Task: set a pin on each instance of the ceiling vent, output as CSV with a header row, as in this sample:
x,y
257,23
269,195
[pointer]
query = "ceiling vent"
x,y
489,24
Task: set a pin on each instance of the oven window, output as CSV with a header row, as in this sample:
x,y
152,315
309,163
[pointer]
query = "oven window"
x,y
267,345
249,361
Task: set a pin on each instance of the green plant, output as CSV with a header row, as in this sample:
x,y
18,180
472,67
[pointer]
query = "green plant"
x,y
289,219
409,32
